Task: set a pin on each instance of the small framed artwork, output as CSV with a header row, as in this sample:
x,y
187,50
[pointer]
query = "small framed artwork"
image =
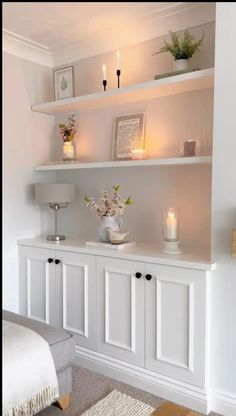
x,y
63,83
128,135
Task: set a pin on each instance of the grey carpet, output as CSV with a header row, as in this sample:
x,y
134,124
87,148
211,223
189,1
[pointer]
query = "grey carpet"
x,y
89,387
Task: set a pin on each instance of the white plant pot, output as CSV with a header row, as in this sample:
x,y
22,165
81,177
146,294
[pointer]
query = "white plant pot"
x,y
180,64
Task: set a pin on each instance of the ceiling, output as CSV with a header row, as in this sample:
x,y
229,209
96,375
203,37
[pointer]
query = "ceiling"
x,y
56,29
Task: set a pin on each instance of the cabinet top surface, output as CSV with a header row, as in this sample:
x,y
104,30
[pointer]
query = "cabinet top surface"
x,y
189,258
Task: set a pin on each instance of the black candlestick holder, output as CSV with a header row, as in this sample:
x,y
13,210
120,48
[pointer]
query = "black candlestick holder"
x,y
118,72
104,83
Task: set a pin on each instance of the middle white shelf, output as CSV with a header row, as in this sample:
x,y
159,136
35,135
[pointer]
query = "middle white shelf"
x,y
197,160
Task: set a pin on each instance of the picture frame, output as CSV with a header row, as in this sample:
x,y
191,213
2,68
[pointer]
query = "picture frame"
x,y
63,83
128,134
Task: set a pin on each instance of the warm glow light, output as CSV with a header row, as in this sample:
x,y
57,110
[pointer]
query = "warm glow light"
x,y
104,72
138,154
118,60
171,225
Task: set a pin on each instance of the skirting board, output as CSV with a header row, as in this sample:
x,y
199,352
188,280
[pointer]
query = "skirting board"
x,y
223,403
168,388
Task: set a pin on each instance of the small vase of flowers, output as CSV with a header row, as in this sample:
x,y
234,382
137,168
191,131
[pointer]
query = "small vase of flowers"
x,y
67,132
108,211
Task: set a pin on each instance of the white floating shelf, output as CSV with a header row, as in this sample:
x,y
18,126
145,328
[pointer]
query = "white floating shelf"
x,y
176,84
180,161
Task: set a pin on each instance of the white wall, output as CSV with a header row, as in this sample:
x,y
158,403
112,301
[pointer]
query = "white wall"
x,y
28,141
169,120
223,345
138,63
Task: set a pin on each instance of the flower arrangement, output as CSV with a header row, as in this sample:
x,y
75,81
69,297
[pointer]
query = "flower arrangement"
x,y
108,206
67,131
181,47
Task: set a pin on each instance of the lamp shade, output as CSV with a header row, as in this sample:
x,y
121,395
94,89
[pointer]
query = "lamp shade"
x,y
54,192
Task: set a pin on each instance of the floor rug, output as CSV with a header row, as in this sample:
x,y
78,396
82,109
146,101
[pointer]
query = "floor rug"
x,y
119,404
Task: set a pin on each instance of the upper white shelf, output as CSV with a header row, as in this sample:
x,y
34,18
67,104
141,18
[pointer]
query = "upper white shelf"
x,y
126,163
176,84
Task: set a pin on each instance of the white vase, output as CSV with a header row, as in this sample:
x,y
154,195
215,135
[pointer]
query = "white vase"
x,y
108,222
180,64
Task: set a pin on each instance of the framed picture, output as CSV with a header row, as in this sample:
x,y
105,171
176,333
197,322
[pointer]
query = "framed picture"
x,y
64,82
128,134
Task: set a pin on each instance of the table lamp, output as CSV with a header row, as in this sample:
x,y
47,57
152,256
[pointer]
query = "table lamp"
x,y
57,195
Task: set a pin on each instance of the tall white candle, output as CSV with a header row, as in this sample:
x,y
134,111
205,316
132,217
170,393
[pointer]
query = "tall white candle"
x,y
118,60
171,226
104,72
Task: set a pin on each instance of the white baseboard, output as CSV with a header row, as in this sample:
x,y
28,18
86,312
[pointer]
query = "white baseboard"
x,y
223,403
168,388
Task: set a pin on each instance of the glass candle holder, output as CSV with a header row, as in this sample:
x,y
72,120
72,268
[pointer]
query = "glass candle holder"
x,y
170,225
170,232
68,151
189,148
138,154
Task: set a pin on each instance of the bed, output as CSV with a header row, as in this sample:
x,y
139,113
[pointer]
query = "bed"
x,y
61,344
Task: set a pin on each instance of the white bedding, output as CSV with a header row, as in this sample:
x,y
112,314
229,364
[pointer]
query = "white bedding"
x,y
29,375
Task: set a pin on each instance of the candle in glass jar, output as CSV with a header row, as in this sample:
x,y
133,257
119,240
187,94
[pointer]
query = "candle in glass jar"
x,y
171,226
190,148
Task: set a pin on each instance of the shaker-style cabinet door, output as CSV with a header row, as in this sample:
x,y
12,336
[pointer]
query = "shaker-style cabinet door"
x,y
176,322
36,283
76,296
120,309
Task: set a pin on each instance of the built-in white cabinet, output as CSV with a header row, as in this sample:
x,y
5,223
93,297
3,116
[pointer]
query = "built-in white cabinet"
x,y
59,288
147,317
153,316
176,322
121,309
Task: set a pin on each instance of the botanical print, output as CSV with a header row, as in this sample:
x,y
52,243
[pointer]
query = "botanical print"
x,y
63,80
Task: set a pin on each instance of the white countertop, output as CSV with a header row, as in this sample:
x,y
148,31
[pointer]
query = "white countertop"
x,y
189,258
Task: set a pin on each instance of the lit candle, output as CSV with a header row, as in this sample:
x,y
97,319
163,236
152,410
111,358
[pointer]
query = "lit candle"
x,y
171,225
104,72
118,60
138,154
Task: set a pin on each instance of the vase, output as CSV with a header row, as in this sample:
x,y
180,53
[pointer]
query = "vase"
x,y
68,151
114,223
180,64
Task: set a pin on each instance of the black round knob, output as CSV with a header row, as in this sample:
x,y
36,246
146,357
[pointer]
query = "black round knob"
x,y
50,260
148,276
57,261
138,275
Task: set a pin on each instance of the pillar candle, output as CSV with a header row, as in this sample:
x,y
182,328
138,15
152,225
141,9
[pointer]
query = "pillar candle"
x,y
171,226
104,72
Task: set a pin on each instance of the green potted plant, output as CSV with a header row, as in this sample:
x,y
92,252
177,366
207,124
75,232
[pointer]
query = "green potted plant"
x,y
182,47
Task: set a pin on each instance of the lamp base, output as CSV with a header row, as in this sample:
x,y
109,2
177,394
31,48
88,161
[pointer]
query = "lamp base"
x,y
171,247
56,237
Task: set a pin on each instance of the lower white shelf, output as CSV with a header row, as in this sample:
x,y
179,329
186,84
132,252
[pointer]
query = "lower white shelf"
x,y
189,258
174,161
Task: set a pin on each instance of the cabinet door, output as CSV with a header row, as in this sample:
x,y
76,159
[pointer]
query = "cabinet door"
x,y
37,280
76,296
176,317
121,309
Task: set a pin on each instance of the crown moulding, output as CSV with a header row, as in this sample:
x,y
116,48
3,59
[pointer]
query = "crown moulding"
x,y
152,25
